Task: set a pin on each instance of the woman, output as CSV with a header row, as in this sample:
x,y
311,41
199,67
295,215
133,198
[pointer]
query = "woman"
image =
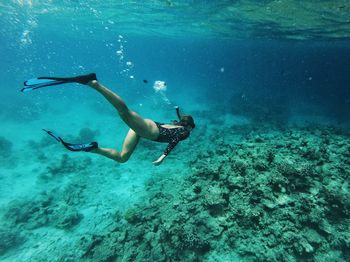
x,y
139,127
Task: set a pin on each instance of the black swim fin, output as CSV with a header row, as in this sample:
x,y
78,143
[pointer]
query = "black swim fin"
x,y
43,81
74,147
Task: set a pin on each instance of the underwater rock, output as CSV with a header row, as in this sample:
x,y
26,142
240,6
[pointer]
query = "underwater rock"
x,y
133,216
260,166
99,248
9,238
64,216
235,183
87,135
214,199
41,211
30,214
303,248
337,194
312,154
191,240
74,193
197,189
258,139
65,166
5,147
270,156
313,237
299,179
240,167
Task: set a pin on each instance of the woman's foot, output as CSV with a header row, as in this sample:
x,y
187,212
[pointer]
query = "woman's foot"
x,y
93,83
88,147
85,79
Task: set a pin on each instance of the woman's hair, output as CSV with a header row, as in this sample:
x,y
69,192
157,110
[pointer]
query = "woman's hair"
x,y
187,121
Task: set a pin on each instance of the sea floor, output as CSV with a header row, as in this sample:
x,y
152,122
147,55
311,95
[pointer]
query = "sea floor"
x,y
235,191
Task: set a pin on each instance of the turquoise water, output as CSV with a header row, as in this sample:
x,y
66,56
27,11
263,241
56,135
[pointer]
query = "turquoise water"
x,y
263,176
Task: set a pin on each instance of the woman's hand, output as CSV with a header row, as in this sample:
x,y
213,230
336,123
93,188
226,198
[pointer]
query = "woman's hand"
x,y
159,160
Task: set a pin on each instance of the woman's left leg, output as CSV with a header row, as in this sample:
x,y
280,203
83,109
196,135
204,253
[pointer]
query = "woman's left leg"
x,y
145,128
130,142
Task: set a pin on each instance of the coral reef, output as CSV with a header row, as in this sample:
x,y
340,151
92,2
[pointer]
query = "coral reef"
x,y
66,165
253,194
44,210
279,197
29,214
64,216
5,147
9,238
56,209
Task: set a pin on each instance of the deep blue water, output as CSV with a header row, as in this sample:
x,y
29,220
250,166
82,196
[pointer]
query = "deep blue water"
x,y
275,71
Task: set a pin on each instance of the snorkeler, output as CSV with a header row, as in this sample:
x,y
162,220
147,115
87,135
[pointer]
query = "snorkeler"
x,y
139,127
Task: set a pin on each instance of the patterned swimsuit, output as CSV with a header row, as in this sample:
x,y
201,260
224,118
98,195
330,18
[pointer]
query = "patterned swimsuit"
x,y
171,136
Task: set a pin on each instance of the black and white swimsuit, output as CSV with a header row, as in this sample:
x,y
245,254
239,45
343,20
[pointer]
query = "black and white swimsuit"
x,y
171,136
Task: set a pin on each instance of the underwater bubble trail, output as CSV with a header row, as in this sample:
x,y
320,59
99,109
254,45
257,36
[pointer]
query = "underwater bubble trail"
x,y
125,66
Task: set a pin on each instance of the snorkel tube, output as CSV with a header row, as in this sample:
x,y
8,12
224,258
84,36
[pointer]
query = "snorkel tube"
x,y
178,112
175,122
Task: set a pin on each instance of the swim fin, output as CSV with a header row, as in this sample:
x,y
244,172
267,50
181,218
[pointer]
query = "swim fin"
x,y
43,81
74,147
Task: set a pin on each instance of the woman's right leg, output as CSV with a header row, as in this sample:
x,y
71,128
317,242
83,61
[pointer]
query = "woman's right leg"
x,y
143,127
129,145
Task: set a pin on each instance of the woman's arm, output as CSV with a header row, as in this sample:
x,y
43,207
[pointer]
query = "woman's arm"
x,y
179,136
159,160
170,147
